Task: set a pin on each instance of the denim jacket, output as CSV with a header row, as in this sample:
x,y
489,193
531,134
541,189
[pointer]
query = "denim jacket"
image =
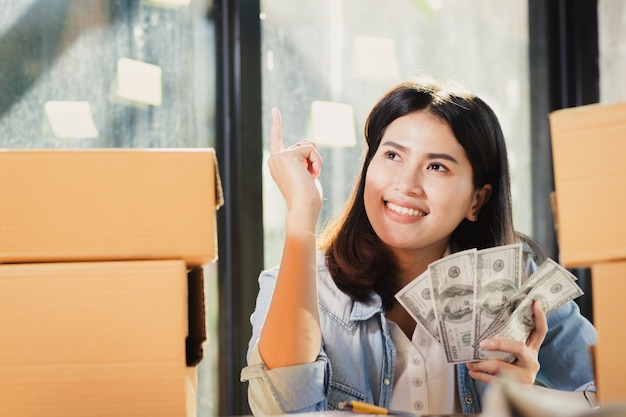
x,y
357,357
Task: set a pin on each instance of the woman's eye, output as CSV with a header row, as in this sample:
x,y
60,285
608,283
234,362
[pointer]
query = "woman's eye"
x,y
391,155
437,167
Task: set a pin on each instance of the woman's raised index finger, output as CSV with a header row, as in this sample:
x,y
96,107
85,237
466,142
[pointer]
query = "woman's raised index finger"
x,y
276,132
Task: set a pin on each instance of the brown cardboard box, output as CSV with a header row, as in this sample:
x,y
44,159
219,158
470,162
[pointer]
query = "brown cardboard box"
x,y
108,204
609,310
589,148
94,338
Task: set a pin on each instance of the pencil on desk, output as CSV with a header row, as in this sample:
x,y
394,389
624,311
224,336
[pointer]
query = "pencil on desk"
x,y
365,408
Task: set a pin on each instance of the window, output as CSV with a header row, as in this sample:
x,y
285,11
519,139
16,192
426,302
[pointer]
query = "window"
x,y
320,54
112,57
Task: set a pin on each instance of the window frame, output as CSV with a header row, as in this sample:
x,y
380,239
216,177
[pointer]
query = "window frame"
x,y
563,53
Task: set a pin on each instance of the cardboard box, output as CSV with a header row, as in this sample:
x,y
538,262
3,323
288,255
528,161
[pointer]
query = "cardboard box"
x,y
109,204
94,338
588,146
609,310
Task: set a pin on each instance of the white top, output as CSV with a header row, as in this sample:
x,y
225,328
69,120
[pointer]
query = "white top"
x,y
424,382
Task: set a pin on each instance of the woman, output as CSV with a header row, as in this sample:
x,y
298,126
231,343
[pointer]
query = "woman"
x,y
327,327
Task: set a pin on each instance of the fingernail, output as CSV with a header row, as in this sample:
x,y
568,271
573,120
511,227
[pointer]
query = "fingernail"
x,y
487,344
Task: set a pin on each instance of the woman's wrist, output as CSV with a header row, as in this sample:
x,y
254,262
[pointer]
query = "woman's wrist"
x,y
302,221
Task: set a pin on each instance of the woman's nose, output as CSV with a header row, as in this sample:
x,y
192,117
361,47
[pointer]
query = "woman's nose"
x,y
410,182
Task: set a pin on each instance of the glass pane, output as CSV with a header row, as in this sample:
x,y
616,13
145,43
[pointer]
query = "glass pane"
x,y
611,35
131,73
352,51
113,73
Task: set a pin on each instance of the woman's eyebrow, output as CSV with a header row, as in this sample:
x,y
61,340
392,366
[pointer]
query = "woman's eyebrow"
x,y
394,145
445,156
432,155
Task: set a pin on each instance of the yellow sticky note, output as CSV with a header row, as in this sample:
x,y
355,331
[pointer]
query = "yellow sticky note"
x,y
70,119
333,124
138,82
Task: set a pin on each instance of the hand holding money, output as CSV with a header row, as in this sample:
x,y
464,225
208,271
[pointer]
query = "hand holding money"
x,y
526,364
470,296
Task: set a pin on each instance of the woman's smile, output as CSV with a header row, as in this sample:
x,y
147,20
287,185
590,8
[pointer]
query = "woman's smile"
x,y
405,211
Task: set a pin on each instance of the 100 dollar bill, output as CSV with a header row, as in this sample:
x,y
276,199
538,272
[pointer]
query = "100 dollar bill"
x,y
417,299
498,278
452,280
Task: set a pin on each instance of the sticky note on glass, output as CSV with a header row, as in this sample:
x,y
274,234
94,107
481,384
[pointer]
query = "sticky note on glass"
x,y
168,4
138,83
375,57
332,124
70,119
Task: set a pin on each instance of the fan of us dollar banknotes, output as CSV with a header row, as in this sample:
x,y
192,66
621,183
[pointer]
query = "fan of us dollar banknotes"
x,y
473,295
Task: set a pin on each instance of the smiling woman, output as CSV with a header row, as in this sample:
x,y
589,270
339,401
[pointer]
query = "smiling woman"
x,y
327,327
450,178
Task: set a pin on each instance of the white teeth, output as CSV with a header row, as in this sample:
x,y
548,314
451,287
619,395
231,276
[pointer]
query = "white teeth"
x,y
405,210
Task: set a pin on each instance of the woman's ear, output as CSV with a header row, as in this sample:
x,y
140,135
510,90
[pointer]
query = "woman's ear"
x,y
481,196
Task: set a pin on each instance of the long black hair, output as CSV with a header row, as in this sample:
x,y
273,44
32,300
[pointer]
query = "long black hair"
x,y
358,261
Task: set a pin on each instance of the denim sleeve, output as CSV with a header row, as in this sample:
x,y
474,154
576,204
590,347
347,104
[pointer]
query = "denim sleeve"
x,y
283,390
564,356
267,282
292,389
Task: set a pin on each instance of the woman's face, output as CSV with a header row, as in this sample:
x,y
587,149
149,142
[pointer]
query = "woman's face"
x,y
418,186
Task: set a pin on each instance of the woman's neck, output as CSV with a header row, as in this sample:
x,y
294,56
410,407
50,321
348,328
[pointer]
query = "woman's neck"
x,y
412,263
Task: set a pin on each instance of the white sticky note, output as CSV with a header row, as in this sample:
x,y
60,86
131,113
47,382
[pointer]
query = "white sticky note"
x,y
70,119
332,124
375,57
168,4
138,82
